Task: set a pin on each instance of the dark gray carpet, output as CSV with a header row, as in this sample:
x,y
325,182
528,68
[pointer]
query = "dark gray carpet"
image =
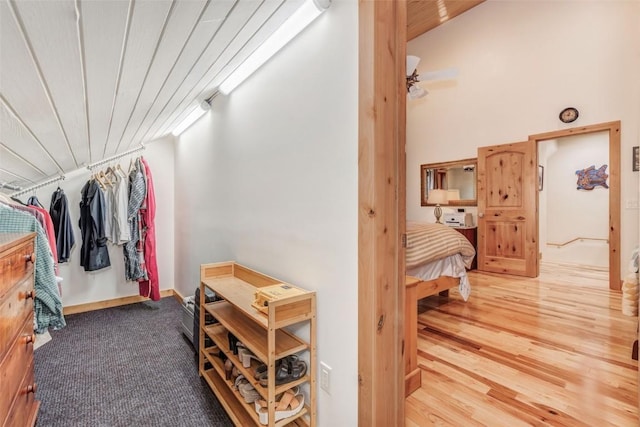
x,y
123,366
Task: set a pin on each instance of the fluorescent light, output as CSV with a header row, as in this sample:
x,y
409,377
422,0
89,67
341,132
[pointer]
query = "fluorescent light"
x,y
297,22
189,120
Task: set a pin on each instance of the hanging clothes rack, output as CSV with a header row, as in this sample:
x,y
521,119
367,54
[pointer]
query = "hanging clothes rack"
x,y
39,185
117,156
62,177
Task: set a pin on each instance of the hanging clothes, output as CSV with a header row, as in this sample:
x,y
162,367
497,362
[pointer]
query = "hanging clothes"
x,y
151,287
109,202
47,301
137,192
59,212
37,215
121,232
94,254
48,228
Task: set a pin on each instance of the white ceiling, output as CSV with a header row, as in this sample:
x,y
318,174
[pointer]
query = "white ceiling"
x,y
84,80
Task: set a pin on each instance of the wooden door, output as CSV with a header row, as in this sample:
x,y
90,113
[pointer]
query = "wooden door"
x,y
507,209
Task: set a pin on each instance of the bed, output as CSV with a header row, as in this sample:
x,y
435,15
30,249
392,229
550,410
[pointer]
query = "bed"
x,y
437,258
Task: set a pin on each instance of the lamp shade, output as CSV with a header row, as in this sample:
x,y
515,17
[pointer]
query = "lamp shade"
x,y
453,194
437,197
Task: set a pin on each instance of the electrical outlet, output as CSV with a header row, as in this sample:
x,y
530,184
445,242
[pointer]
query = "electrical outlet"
x,y
632,204
325,377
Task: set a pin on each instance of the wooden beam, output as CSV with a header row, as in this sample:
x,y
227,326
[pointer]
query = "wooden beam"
x,y
382,97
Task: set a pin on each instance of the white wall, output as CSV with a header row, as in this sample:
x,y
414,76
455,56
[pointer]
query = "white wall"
x,y
567,213
268,178
80,287
520,63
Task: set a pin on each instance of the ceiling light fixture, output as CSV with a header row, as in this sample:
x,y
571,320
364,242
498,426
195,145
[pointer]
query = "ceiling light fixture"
x,y
193,117
297,22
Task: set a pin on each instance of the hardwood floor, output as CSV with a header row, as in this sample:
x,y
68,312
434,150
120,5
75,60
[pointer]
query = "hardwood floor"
x,y
555,350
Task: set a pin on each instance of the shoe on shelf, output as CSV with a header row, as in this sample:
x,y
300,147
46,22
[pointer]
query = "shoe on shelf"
x,y
240,379
290,369
228,369
261,370
245,389
233,343
288,404
245,355
249,393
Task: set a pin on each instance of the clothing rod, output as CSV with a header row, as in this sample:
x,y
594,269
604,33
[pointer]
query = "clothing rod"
x,y
117,156
9,186
40,185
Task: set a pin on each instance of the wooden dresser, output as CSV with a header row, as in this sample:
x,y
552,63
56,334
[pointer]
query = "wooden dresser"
x,y
18,406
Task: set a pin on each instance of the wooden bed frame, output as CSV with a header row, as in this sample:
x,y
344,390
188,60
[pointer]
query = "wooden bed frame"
x,y
417,289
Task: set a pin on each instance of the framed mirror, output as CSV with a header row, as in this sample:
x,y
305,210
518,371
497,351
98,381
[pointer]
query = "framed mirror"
x,y
459,178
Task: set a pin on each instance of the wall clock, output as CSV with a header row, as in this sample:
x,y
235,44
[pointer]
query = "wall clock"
x,y
568,115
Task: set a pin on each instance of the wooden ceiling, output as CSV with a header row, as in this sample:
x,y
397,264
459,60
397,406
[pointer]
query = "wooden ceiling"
x,y
425,15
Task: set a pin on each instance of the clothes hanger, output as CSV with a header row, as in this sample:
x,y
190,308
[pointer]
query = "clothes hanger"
x,y
33,200
105,180
112,175
96,177
16,201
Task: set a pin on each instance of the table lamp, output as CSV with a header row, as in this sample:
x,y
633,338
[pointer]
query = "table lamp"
x,y
453,194
436,197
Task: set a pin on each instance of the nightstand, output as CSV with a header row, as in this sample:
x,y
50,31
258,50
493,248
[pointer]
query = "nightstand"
x,y
471,233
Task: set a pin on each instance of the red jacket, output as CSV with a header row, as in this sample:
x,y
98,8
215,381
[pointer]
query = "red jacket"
x,y
149,288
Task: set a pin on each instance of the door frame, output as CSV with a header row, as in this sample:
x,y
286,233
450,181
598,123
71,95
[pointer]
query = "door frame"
x,y
613,128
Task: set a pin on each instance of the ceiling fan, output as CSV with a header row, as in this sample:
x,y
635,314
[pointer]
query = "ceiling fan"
x,y
413,90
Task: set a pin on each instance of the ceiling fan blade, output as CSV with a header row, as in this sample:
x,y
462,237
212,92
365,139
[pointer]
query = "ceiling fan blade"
x,y
447,73
416,92
412,64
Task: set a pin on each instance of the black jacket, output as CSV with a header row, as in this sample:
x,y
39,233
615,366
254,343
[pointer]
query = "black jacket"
x,y
59,211
94,254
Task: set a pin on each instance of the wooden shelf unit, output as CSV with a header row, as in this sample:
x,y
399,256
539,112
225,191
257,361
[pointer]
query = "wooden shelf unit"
x,y
261,333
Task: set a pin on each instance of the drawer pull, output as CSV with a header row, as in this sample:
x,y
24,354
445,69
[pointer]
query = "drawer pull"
x,y
31,388
30,258
29,338
29,294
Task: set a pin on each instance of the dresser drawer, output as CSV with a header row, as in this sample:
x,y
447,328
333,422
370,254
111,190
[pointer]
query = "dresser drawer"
x,y
15,307
25,407
16,264
14,366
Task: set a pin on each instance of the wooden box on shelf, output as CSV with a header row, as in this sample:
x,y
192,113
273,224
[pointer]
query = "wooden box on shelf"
x,y
260,331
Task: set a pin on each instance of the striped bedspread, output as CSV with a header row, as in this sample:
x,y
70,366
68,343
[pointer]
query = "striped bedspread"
x,y
430,242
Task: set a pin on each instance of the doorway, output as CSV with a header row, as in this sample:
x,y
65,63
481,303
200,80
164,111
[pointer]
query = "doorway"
x,y
573,201
611,132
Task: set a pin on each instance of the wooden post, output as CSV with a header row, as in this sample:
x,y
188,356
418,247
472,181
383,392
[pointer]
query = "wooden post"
x,y
381,212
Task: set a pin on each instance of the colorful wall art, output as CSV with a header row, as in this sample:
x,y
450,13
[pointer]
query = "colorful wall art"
x,y
590,178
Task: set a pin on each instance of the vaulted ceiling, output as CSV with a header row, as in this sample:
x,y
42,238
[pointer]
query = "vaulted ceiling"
x,y
425,15
83,80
